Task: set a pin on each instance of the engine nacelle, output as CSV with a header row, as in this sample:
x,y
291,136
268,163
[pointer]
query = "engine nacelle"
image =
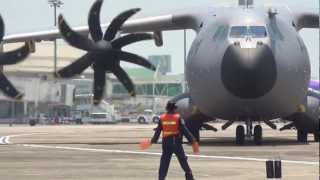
x,y
188,110
185,108
195,120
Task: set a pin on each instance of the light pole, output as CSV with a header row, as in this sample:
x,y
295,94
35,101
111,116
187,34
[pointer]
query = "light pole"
x,y
55,4
185,59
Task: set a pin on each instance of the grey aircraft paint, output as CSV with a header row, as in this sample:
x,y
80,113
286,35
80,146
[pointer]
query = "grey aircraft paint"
x,y
221,89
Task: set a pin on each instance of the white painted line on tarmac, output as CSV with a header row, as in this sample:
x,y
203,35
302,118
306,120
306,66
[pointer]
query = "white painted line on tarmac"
x,y
2,140
6,139
159,154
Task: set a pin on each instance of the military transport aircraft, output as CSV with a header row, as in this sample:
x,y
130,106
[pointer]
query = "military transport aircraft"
x,y
247,63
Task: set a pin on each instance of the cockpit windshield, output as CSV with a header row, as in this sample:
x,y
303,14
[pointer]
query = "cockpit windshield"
x,y
245,31
257,31
238,31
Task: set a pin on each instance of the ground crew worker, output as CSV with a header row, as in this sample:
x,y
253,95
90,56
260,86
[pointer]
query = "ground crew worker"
x,y
173,128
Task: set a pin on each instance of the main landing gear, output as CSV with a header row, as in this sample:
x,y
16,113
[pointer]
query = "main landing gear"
x,y
256,133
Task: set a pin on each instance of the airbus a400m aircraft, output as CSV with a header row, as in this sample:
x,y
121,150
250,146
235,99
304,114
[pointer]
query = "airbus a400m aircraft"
x,y
246,64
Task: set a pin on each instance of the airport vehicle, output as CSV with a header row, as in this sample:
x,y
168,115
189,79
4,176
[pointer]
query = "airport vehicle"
x,y
246,64
41,118
148,117
76,117
100,118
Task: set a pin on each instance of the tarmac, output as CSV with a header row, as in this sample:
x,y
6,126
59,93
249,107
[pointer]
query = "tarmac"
x,y
82,152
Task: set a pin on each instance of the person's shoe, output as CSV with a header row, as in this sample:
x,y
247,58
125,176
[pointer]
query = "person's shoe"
x,y
189,176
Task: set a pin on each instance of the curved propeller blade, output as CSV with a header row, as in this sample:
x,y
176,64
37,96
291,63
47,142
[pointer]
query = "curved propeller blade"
x,y
136,59
8,89
75,68
129,39
94,21
124,78
73,38
99,84
117,22
15,56
1,28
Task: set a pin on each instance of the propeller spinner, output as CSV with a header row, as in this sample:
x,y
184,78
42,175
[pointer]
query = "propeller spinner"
x,y
10,58
104,50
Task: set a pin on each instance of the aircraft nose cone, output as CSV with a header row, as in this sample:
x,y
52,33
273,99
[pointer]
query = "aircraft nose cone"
x,y
248,73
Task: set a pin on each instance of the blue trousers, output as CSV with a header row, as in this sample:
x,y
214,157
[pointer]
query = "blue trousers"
x,y
169,146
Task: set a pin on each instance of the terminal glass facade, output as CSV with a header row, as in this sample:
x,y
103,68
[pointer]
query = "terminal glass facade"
x,y
159,89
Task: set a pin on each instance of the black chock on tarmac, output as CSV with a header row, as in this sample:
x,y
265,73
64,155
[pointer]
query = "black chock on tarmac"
x,y
274,169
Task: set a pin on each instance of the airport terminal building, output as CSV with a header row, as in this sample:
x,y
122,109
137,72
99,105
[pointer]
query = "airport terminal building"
x,y
45,95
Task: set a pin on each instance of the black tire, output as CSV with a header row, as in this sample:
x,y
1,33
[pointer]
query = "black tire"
x,y
141,120
240,135
302,136
257,135
32,122
155,119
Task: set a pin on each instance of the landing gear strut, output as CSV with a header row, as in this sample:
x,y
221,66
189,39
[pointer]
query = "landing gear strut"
x,y
249,128
256,133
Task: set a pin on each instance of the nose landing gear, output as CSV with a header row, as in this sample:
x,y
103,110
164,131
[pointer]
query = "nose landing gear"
x,y
256,133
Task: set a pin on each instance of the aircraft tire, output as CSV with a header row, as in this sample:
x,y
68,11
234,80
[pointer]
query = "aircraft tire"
x,y
302,136
257,135
240,135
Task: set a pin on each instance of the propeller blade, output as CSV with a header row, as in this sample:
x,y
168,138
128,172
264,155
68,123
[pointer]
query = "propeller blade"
x,y
1,28
136,59
94,21
124,78
75,68
117,22
73,38
8,89
129,39
99,84
15,56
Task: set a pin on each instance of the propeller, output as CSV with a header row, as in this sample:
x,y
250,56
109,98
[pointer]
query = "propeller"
x,y
10,58
104,51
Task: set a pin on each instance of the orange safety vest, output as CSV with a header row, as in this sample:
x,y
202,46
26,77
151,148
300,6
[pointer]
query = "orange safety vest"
x,y
170,124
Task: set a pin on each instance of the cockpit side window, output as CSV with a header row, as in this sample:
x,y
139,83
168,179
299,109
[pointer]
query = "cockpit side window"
x,y
245,31
221,33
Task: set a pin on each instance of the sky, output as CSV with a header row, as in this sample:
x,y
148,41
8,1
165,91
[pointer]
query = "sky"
x,y
36,15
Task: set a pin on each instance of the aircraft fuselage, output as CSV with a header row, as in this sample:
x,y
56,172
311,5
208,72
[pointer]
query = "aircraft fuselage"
x,y
248,64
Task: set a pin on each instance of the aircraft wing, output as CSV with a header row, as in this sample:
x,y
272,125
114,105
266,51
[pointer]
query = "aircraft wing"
x,y
150,24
